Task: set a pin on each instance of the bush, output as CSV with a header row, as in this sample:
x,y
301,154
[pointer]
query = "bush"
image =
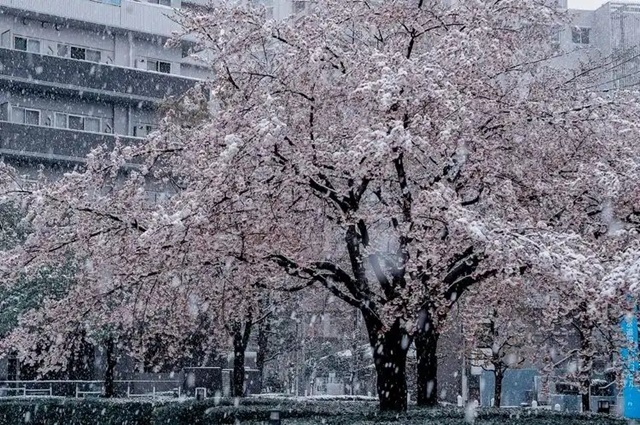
x,y
254,410
61,411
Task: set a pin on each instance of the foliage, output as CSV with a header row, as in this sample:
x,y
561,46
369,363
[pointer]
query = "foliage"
x,y
106,412
394,153
74,412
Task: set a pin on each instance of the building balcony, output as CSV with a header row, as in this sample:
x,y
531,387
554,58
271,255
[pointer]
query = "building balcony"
x,y
88,79
129,15
31,143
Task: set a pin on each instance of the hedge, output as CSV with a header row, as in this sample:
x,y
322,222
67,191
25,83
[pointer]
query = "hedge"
x,y
61,411
69,411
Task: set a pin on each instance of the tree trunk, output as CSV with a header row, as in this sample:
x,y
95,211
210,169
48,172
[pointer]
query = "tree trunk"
x,y
238,371
240,342
497,389
586,402
109,373
263,342
427,381
81,361
390,359
585,361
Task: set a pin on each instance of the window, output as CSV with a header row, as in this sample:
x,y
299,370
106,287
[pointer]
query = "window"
x,y
31,117
142,130
61,120
76,122
17,115
92,124
159,66
161,2
26,44
93,55
580,35
63,50
299,6
20,43
79,53
25,116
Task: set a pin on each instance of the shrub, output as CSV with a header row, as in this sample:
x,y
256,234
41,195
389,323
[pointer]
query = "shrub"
x,y
61,411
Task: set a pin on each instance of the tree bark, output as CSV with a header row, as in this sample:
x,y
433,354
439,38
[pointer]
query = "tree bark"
x,y
586,362
497,389
261,355
426,343
585,357
109,373
238,371
390,359
240,342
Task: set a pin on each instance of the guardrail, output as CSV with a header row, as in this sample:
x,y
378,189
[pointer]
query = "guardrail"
x,y
89,388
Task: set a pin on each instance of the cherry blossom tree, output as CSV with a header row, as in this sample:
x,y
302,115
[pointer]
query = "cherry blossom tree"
x,y
422,133
395,153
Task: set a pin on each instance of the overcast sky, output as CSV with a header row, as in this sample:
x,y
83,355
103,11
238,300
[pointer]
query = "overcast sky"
x,y
586,4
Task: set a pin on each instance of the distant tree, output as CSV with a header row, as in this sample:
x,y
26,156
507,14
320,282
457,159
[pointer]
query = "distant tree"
x,y
506,332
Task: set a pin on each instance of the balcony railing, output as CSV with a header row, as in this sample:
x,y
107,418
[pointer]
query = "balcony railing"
x,y
111,2
30,142
137,16
91,80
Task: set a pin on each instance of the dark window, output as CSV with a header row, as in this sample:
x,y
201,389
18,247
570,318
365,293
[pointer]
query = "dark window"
x,y
76,123
164,67
78,53
158,66
20,43
580,35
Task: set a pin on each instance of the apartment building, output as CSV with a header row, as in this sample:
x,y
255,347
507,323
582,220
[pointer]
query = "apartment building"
x,y
75,74
610,34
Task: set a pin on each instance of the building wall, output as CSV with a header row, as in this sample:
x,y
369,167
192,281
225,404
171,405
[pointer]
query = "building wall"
x,y
130,15
120,118
50,35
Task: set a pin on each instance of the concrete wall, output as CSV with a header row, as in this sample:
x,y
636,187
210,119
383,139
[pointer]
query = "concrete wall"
x,y
87,79
140,17
50,35
116,48
38,142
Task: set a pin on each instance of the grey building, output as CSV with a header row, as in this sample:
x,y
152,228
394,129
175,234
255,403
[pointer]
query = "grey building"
x,y
75,74
609,34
